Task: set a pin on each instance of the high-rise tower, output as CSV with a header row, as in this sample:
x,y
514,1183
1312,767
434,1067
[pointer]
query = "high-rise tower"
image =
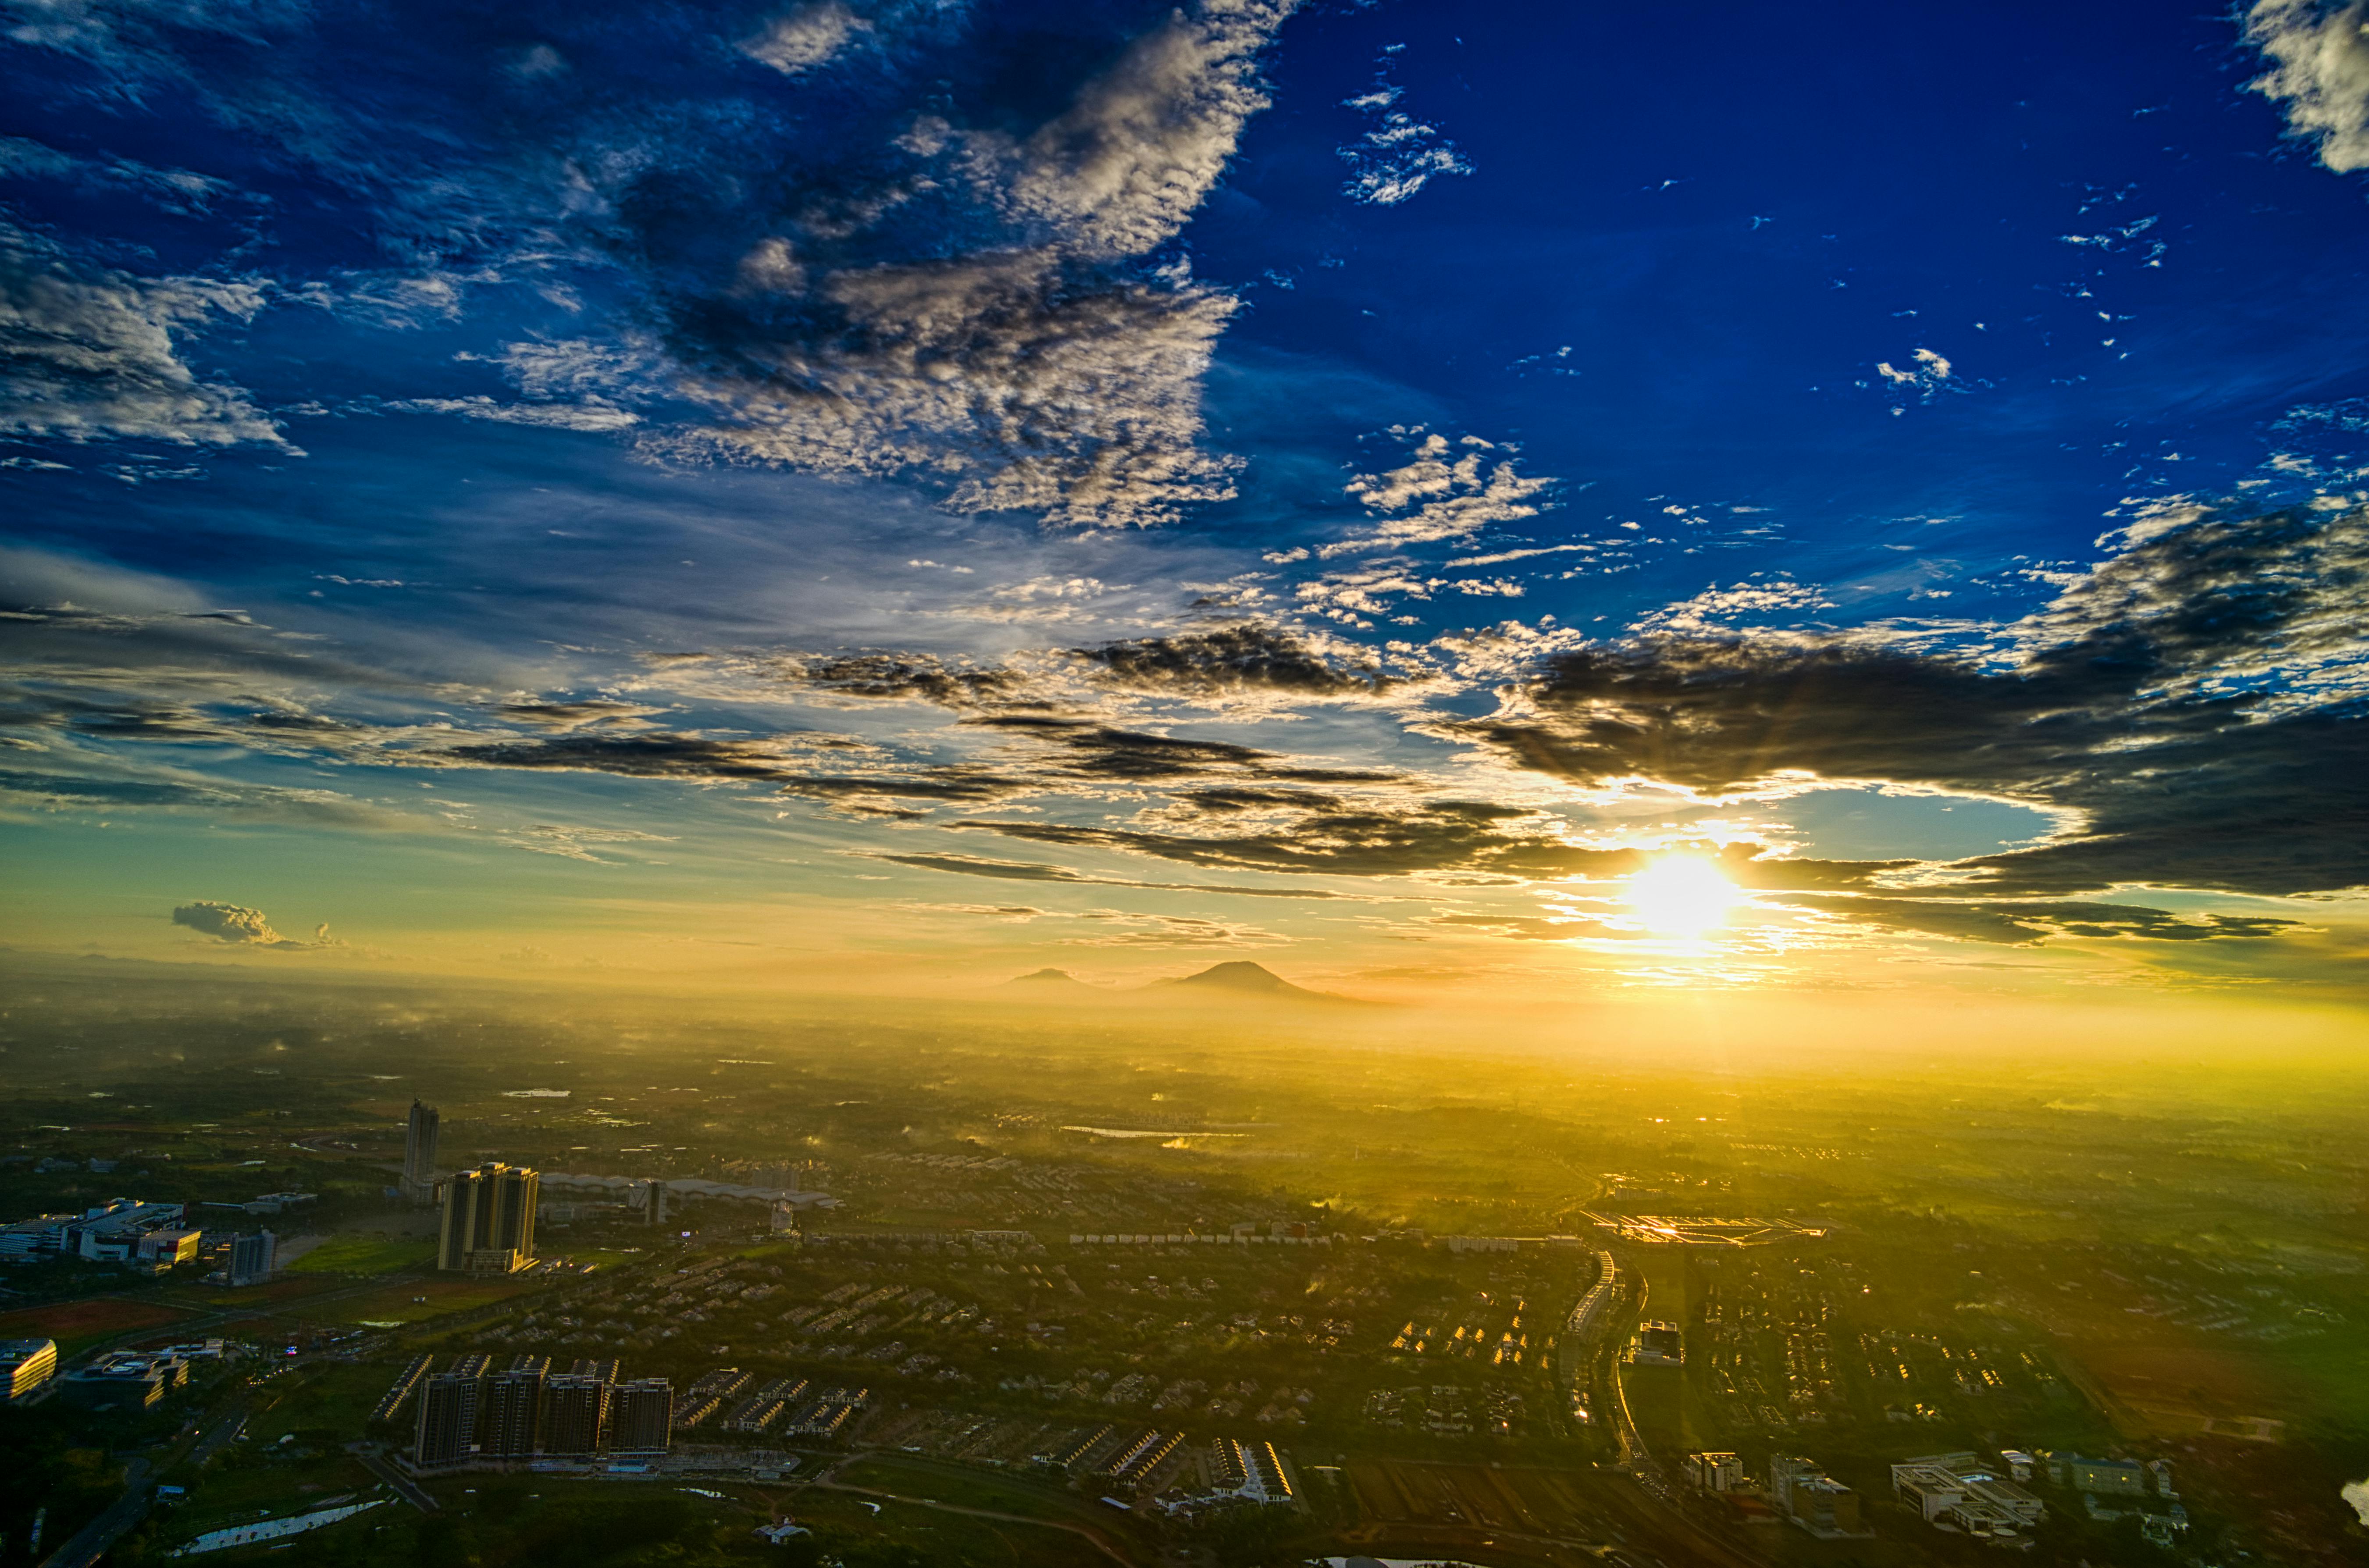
x,y
575,1415
514,1410
420,1155
641,1417
488,1219
448,1418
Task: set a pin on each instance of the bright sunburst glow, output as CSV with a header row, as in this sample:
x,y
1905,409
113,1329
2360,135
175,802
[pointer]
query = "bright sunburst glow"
x,y
1679,897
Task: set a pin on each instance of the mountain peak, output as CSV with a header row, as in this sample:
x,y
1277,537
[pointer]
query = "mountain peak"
x,y
1240,974
1242,979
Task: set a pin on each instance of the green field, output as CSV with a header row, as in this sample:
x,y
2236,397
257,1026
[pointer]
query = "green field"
x,y
367,1253
962,1491
77,1325
323,1399
414,1302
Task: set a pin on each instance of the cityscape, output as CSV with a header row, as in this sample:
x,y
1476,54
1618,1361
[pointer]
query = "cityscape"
x,y
1184,783
806,1310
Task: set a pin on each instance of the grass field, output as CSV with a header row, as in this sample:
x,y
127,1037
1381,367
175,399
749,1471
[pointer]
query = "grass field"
x,y
415,1302
963,1492
216,1297
367,1253
331,1398
77,1323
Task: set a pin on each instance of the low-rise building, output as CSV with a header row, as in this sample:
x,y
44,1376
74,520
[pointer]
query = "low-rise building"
x,y
2121,1477
26,1364
162,1249
1965,1493
1657,1345
44,1233
112,1233
1715,1471
139,1379
1812,1499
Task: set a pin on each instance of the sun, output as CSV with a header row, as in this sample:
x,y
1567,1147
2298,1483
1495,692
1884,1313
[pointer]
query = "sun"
x,y
1682,897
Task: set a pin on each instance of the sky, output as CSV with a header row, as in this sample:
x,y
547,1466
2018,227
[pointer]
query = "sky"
x,y
1441,501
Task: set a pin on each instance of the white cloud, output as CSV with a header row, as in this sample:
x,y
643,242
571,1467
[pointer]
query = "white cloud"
x,y
93,354
1141,145
243,927
590,414
1047,375
1925,374
583,367
993,373
1398,155
2319,75
1439,496
805,37
575,384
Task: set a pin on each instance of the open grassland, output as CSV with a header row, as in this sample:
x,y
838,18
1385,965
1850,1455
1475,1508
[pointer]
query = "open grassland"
x,y
411,1303
367,1253
216,1297
332,1399
961,1491
75,1325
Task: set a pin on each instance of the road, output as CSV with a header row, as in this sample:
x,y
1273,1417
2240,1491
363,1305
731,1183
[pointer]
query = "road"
x,y
90,1543
1633,1455
405,1487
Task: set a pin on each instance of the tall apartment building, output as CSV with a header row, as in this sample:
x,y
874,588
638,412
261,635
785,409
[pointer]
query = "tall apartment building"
x,y
420,1155
641,1417
447,1431
252,1258
575,1415
489,1224
514,1410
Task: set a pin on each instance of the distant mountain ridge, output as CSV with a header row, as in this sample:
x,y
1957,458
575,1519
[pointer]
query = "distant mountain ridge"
x,y
1235,981
1241,978
1061,979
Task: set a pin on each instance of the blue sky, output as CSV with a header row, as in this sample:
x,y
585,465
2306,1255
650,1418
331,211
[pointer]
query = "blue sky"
x,y
1350,485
